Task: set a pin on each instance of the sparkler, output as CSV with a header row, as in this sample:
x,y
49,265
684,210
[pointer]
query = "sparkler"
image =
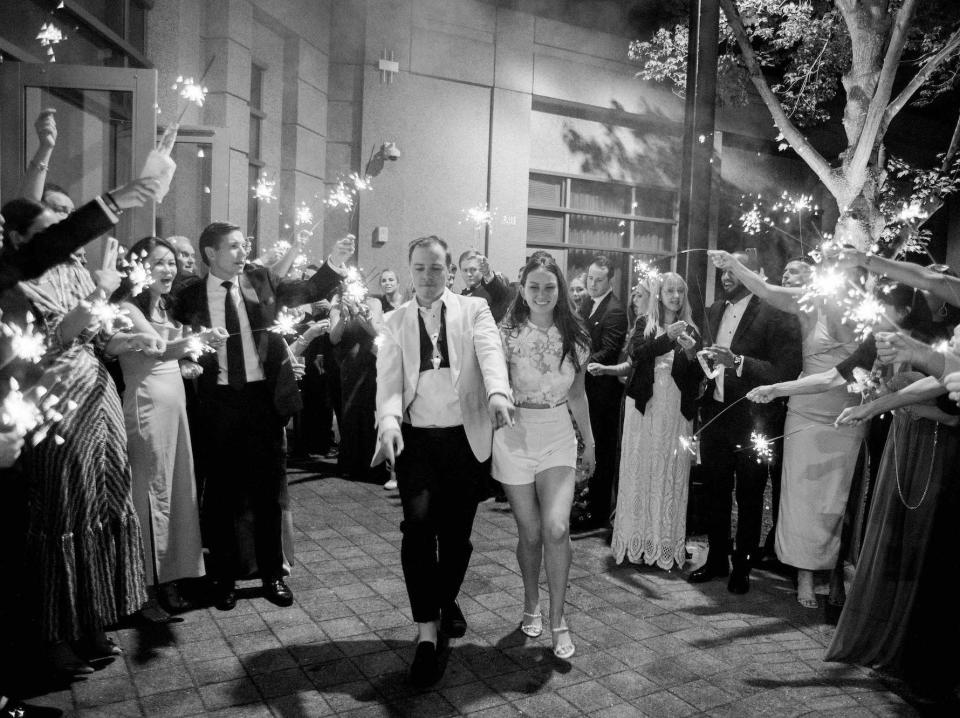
x,y
25,345
138,274
644,271
762,446
480,215
355,288
825,283
49,36
286,322
865,315
304,215
33,410
195,346
194,93
264,189
108,318
690,444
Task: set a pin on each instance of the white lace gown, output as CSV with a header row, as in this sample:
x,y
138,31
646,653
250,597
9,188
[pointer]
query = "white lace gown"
x,y
651,520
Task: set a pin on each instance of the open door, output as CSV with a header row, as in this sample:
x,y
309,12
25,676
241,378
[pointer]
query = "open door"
x,y
106,125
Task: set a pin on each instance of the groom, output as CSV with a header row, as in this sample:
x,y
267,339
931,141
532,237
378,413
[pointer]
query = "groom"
x,y
441,379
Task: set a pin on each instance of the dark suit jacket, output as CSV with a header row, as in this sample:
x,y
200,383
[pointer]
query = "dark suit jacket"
x,y
608,329
53,245
496,292
643,352
264,293
771,344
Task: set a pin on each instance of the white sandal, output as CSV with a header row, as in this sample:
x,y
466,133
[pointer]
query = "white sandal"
x,y
535,627
563,652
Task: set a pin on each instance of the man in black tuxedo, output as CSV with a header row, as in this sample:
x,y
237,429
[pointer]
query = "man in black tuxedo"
x,y
606,321
247,392
752,344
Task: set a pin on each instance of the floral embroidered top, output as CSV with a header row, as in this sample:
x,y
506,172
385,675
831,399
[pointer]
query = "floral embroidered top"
x,y
533,359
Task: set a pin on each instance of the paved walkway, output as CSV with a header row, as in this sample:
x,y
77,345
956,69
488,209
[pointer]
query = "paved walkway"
x,y
648,643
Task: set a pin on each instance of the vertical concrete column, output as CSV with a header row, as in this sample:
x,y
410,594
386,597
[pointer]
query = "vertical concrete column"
x,y
304,133
511,102
227,35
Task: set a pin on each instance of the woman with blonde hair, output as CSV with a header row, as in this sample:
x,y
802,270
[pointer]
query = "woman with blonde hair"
x,y
650,521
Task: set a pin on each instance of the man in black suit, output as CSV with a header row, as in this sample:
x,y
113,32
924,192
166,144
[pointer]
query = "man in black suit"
x,y
606,321
481,281
247,392
752,344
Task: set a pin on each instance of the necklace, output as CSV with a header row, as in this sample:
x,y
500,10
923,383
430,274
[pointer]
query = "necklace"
x,y
896,469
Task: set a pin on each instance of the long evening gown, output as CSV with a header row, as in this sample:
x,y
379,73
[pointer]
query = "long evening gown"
x,y
650,522
900,616
161,459
818,462
83,536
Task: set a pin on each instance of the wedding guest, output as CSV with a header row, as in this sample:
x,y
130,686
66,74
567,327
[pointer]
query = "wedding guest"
x,y
752,343
353,329
247,392
158,436
818,458
650,520
391,295
82,534
578,289
481,281
606,321
441,380
546,347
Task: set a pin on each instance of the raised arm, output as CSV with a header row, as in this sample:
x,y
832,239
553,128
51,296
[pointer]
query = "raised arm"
x,y
919,391
783,298
36,175
810,384
942,286
294,292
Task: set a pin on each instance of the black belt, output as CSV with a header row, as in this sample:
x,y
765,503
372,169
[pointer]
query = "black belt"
x,y
433,432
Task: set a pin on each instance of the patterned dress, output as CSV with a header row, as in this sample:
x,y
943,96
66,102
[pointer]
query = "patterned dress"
x,y
650,523
83,536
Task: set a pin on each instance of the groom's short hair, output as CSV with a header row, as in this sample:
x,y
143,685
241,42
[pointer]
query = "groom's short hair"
x,y
430,240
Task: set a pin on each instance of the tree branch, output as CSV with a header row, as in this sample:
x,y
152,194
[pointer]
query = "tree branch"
x,y
869,132
949,48
797,141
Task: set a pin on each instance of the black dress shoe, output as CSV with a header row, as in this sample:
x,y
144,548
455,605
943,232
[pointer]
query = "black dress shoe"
x,y
16,709
739,580
276,591
452,622
425,670
708,573
225,596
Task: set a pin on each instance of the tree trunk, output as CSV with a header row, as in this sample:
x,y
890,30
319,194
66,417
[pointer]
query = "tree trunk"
x,y
861,222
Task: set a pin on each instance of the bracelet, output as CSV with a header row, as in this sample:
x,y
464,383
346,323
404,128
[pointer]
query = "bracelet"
x,y
42,166
112,203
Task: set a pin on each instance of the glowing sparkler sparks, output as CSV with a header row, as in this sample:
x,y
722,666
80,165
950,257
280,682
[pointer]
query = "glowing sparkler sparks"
x,y
195,346
865,315
138,274
361,184
354,286
108,318
690,444
190,91
825,283
286,322
24,345
49,36
304,215
264,189
751,220
341,196
19,414
480,215
300,262
762,446
911,212
644,271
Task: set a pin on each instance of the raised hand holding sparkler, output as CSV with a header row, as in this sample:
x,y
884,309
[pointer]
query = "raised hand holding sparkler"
x,y
342,251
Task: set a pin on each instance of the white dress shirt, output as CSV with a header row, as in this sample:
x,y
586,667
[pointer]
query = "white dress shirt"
x,y
216,299
598,300
732,314
436,402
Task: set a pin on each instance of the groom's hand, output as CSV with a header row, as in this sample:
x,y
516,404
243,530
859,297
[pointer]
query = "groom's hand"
x,y
502,411
392,442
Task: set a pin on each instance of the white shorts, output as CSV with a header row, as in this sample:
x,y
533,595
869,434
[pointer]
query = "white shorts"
x,y
541,439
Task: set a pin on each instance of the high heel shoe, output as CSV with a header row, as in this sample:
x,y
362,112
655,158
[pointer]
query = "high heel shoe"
x,y
98,647
535,627
563,651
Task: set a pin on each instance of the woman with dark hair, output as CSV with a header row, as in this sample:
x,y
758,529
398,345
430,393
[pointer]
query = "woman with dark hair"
x,y
158,436
650,521
546,348
83,550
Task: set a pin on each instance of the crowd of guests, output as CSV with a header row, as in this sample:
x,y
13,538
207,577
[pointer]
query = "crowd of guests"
x,y
161,481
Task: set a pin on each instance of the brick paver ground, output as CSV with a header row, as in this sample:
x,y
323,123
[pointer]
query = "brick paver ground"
x,y
648,643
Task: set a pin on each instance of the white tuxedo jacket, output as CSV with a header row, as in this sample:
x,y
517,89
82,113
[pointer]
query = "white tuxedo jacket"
x,y
477,366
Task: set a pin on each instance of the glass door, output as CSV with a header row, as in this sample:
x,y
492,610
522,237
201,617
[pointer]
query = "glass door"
x,y
106,122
